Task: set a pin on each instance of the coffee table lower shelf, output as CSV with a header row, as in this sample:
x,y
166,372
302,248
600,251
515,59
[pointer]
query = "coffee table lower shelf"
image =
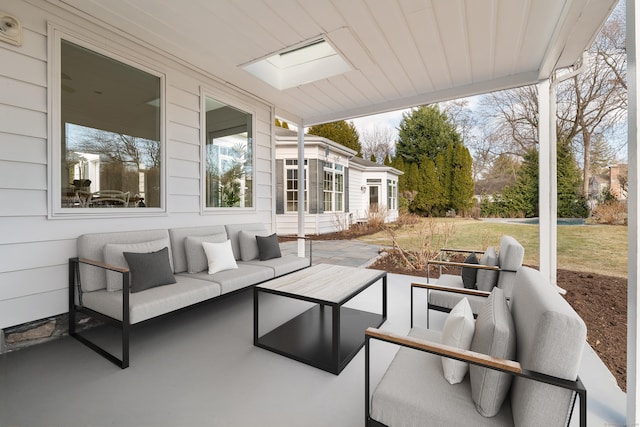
x,y
308,337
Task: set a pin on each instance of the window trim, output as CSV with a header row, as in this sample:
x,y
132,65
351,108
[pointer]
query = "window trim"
x,y
206,91
306,185
334,169
392,194
55,210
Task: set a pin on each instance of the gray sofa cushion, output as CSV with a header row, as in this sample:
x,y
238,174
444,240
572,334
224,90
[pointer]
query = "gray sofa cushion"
x,y
486,279
149,270
152,302
414,392
178,235
196,257
551,339
249,249
232,280
233,232
495,335
282,265
91,246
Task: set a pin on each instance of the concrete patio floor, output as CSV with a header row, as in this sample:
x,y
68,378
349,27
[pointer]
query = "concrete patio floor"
x,y
200,368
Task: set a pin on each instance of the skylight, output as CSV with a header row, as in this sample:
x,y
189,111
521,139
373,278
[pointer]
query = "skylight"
x,y
300,64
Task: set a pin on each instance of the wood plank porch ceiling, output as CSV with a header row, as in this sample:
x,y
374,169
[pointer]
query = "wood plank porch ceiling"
x,y
404,52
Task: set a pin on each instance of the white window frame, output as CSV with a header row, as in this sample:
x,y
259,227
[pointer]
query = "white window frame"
x,y
333,169
209,92
294,166
392,194
56,34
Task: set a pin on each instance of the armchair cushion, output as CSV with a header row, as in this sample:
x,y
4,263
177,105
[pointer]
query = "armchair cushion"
x,y
469,274
413,392
486,279
495,335
457,332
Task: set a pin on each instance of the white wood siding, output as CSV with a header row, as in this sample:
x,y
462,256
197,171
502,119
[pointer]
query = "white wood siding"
x,y
34,249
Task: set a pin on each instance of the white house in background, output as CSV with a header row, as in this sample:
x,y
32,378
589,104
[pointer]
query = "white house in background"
x,y
340,188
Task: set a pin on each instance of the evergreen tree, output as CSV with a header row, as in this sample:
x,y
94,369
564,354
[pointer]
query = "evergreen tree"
x,y
425,131
387,160
460,191
521,198
278,123
398,163
571,202
373,158
412,181
429,196
342,132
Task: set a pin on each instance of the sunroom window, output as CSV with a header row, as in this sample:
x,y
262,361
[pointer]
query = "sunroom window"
x,y
228,156
110,131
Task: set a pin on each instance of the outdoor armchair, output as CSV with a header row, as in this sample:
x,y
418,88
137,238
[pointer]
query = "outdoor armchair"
x,y
493,270
539,384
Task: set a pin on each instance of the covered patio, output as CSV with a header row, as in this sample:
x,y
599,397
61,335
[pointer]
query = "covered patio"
x,y
375,56
200,368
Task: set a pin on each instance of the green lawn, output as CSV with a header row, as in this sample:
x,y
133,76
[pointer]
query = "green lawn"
x,y
591,248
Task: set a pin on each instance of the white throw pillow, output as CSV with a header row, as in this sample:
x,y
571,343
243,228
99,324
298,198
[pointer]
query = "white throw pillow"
x,y
457,332
219,256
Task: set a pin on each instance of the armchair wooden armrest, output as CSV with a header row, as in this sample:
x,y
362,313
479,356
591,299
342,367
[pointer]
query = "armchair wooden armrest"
x,y
463,251
465,291
462,264
445,350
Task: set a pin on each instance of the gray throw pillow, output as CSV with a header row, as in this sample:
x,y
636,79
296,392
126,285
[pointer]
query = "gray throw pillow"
x,y
487,279
149,270
495,335
268,247
469,274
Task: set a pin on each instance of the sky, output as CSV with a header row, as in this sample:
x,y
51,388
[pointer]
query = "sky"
x,y
389,120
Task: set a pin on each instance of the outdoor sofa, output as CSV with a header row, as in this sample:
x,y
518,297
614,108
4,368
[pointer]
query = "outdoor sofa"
x,y
125,278
523,357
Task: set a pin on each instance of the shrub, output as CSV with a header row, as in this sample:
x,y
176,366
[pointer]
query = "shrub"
x,y
430,235
613,212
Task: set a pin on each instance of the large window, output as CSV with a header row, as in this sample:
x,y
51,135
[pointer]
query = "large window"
x,y
229,156
110,132
333,185
291,189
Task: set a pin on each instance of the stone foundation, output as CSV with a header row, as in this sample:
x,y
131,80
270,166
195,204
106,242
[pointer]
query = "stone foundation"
x,y
40,331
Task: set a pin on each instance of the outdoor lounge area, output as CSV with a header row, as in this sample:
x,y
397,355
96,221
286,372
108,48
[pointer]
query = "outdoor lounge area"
x,y
200,367
129,115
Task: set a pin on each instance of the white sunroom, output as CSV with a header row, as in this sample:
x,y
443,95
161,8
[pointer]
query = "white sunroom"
x,y
340,188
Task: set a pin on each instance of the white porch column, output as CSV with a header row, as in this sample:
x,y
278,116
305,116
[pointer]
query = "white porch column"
x,y
633,230
547,179
301,187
